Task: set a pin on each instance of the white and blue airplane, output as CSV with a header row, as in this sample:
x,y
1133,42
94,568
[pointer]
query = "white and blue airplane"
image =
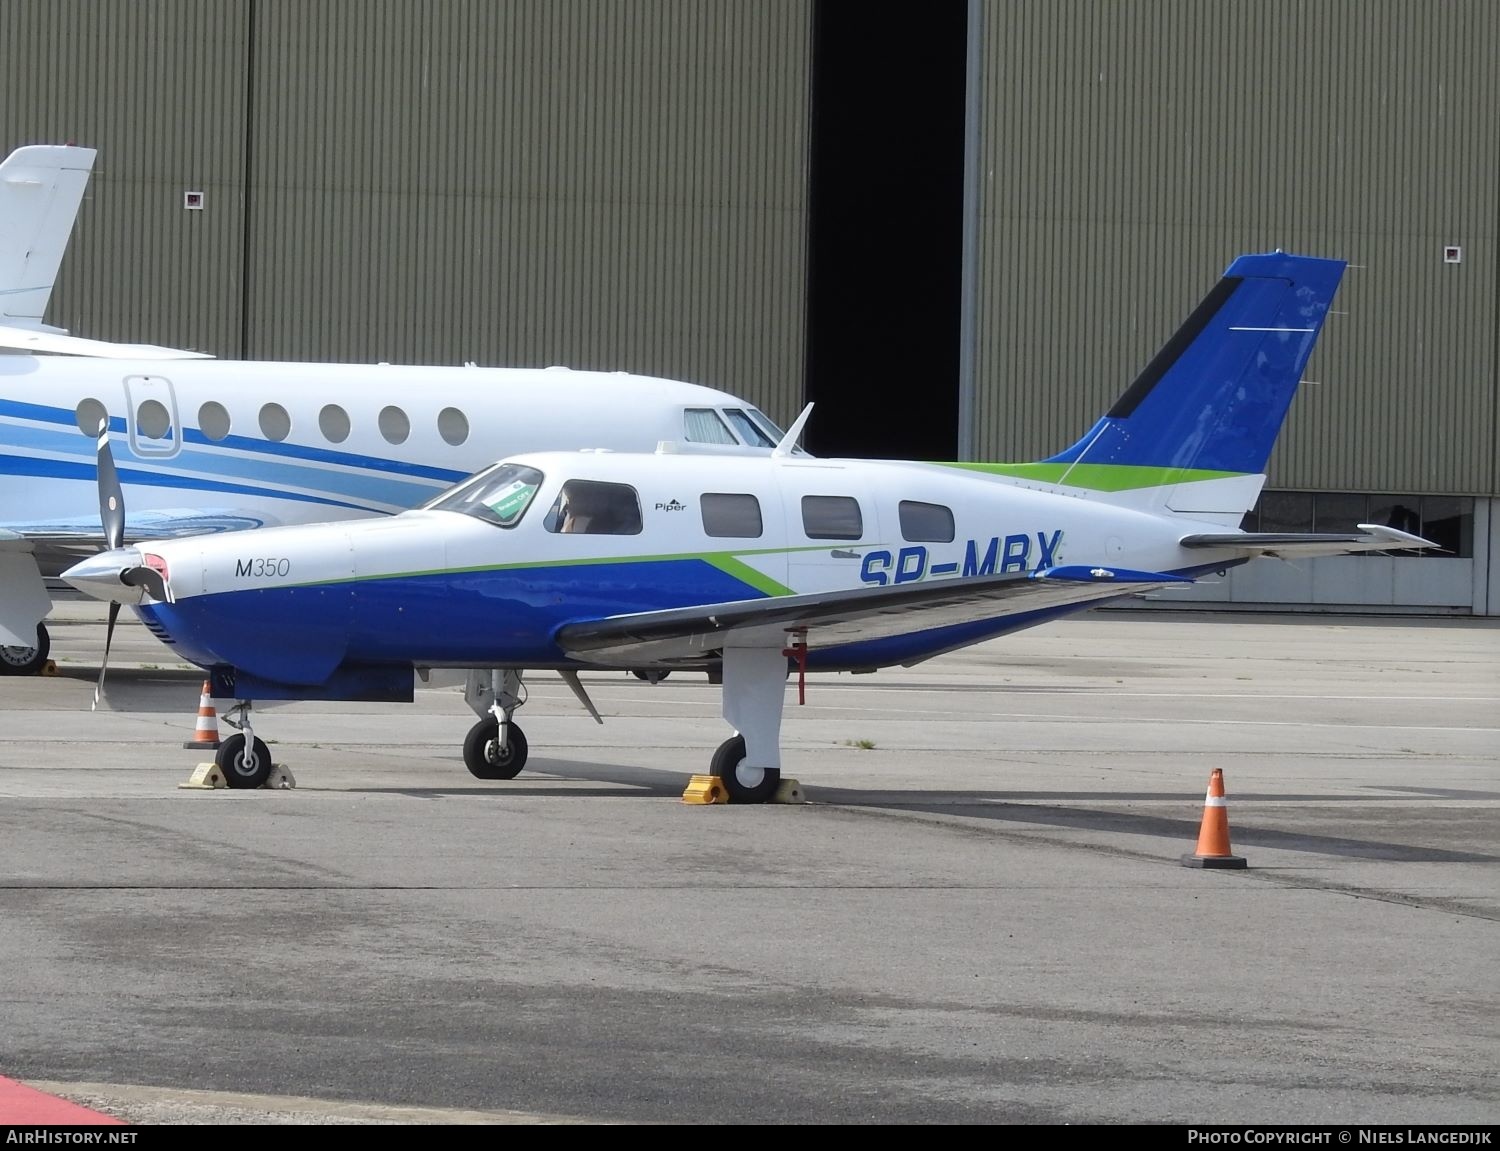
x,y
211,446
745,566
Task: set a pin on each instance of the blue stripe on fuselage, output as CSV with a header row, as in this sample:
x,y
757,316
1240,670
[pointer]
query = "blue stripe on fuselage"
x,y
355,482
87,473
442,617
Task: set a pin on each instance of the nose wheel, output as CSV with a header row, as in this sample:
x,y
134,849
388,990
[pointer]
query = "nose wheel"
x,y
486,758
245,763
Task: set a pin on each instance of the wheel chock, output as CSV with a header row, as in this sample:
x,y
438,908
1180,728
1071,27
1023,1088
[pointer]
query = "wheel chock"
x,y
789,791
49,668
205,777
280,777
705,789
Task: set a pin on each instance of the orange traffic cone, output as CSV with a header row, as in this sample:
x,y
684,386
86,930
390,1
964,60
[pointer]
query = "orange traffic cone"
x,y
1213,836
206,734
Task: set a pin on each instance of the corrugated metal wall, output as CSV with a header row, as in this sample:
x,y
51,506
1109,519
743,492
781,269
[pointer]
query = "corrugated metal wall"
x,y
158,87
1131,151
613,184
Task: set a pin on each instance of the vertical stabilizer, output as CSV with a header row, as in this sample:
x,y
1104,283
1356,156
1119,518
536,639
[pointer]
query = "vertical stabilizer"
x,y
41,188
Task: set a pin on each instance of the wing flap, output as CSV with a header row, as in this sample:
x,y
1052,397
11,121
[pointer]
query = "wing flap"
x,y
1300,545
830,618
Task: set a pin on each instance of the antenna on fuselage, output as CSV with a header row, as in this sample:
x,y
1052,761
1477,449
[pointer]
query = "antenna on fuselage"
x,y
789,441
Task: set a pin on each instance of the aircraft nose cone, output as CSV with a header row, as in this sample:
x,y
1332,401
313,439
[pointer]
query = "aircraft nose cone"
x,y
99,576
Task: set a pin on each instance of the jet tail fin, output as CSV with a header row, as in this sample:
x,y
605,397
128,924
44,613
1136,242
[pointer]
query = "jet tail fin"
x,y
41,189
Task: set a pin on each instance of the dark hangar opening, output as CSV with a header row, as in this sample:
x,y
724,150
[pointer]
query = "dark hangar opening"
x,y
886,229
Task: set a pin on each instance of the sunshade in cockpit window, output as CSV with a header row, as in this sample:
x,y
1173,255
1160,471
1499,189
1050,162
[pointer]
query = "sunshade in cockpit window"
x,y
499,495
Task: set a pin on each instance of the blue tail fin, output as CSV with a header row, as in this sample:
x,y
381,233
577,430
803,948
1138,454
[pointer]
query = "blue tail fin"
x,y
1214,398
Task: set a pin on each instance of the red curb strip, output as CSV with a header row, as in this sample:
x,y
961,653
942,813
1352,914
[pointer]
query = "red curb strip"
x,y
22,1104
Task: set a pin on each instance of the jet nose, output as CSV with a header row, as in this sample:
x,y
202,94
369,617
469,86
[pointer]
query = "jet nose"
x,y
99,576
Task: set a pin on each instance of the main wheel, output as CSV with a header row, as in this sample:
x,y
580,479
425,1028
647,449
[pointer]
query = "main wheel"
x,y
650,675
482,754
242,768
26,660
743,784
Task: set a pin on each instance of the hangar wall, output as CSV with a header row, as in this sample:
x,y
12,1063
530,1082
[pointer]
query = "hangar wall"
x,y
1132,151
610,184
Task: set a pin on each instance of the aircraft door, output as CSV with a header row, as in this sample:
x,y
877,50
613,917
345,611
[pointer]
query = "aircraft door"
x,y
831,524
151,417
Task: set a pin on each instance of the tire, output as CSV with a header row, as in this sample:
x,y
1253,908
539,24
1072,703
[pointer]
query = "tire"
x,y
485,761
751,785
232,761
650,676
26,660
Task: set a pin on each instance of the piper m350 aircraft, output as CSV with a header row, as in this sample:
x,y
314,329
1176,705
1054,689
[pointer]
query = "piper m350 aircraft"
x,y
750,567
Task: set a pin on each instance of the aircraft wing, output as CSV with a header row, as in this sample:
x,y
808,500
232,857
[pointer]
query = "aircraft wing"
x,y
831,618
60,543
1293,545
40,340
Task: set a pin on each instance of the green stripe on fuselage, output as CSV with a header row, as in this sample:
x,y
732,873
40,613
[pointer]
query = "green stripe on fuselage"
x,y
729,563
1097,477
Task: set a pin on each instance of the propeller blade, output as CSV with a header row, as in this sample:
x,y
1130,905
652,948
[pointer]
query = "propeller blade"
x,y
109,635
111,498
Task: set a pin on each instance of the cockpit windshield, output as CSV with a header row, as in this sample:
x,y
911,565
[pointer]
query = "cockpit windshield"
x,y
751,430
498,495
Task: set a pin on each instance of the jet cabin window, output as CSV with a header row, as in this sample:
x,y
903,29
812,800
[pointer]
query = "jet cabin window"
x,y
926,523
590,507
499,495
831,518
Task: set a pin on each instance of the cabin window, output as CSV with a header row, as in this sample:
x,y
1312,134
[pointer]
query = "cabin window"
x,y
90,414
703,426
730,515
213,420
394,425
333,422
831,518
152,420
498,495
926,523
589,507
275,424
453,426
748,429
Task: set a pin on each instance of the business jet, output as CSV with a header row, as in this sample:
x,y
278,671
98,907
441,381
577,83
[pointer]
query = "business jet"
x,y
209,446
749,566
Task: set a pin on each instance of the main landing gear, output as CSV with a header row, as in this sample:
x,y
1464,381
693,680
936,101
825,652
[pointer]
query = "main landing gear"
x,y
748,763
26,659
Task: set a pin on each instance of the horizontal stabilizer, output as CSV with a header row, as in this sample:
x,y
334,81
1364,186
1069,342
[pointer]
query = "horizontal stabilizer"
x,y
39,341
1369,537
